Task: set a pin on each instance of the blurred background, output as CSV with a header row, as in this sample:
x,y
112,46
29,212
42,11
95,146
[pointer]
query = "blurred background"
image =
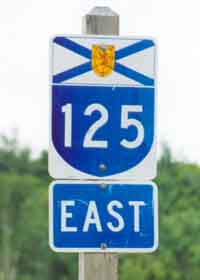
x,y
25,28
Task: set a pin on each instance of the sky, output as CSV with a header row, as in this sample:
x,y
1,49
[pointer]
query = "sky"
x,y
27,25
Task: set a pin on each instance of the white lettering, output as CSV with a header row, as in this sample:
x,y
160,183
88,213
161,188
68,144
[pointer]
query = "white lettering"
x,y
92,217
66,215
136,219
116,215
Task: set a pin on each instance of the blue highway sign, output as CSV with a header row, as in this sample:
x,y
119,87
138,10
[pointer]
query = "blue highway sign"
x,y
103,100
103,217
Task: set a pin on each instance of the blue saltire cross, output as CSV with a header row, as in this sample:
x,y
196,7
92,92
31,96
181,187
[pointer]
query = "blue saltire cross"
x,y
86,67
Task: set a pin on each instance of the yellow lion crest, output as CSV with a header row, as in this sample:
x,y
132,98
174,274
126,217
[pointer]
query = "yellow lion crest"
x,y
103,59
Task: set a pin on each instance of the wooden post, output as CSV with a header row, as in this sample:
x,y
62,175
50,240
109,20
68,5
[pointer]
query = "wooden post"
x,y
101,21
102,266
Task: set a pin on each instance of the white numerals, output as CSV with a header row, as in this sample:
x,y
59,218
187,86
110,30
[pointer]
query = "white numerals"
x,y
126,122
67,110
89,142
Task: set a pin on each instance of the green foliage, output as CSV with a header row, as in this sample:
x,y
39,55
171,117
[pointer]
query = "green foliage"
x,y
178,256
25,254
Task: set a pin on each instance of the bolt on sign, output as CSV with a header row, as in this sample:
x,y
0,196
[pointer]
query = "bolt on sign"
x,y
103,98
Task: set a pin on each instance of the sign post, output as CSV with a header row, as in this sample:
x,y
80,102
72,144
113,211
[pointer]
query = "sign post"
x,y
102,145
100,21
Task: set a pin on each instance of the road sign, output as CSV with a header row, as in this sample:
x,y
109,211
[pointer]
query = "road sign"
x,y
102,108
103,217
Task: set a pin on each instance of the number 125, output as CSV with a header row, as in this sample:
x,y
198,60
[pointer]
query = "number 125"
x,y
88,141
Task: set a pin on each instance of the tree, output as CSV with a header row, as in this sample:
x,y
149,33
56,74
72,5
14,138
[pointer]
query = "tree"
x,y
25,254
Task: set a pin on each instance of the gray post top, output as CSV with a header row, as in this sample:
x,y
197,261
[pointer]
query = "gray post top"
x,y
102,11
101,21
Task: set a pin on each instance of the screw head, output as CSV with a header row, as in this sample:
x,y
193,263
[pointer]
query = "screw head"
x,y
102,167
103,246
103,185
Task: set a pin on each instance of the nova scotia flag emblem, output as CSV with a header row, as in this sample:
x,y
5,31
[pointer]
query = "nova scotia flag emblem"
x,y
134,70
103,59
102,108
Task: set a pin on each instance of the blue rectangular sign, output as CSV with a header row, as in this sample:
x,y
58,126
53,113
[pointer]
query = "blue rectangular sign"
x,y
103,217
